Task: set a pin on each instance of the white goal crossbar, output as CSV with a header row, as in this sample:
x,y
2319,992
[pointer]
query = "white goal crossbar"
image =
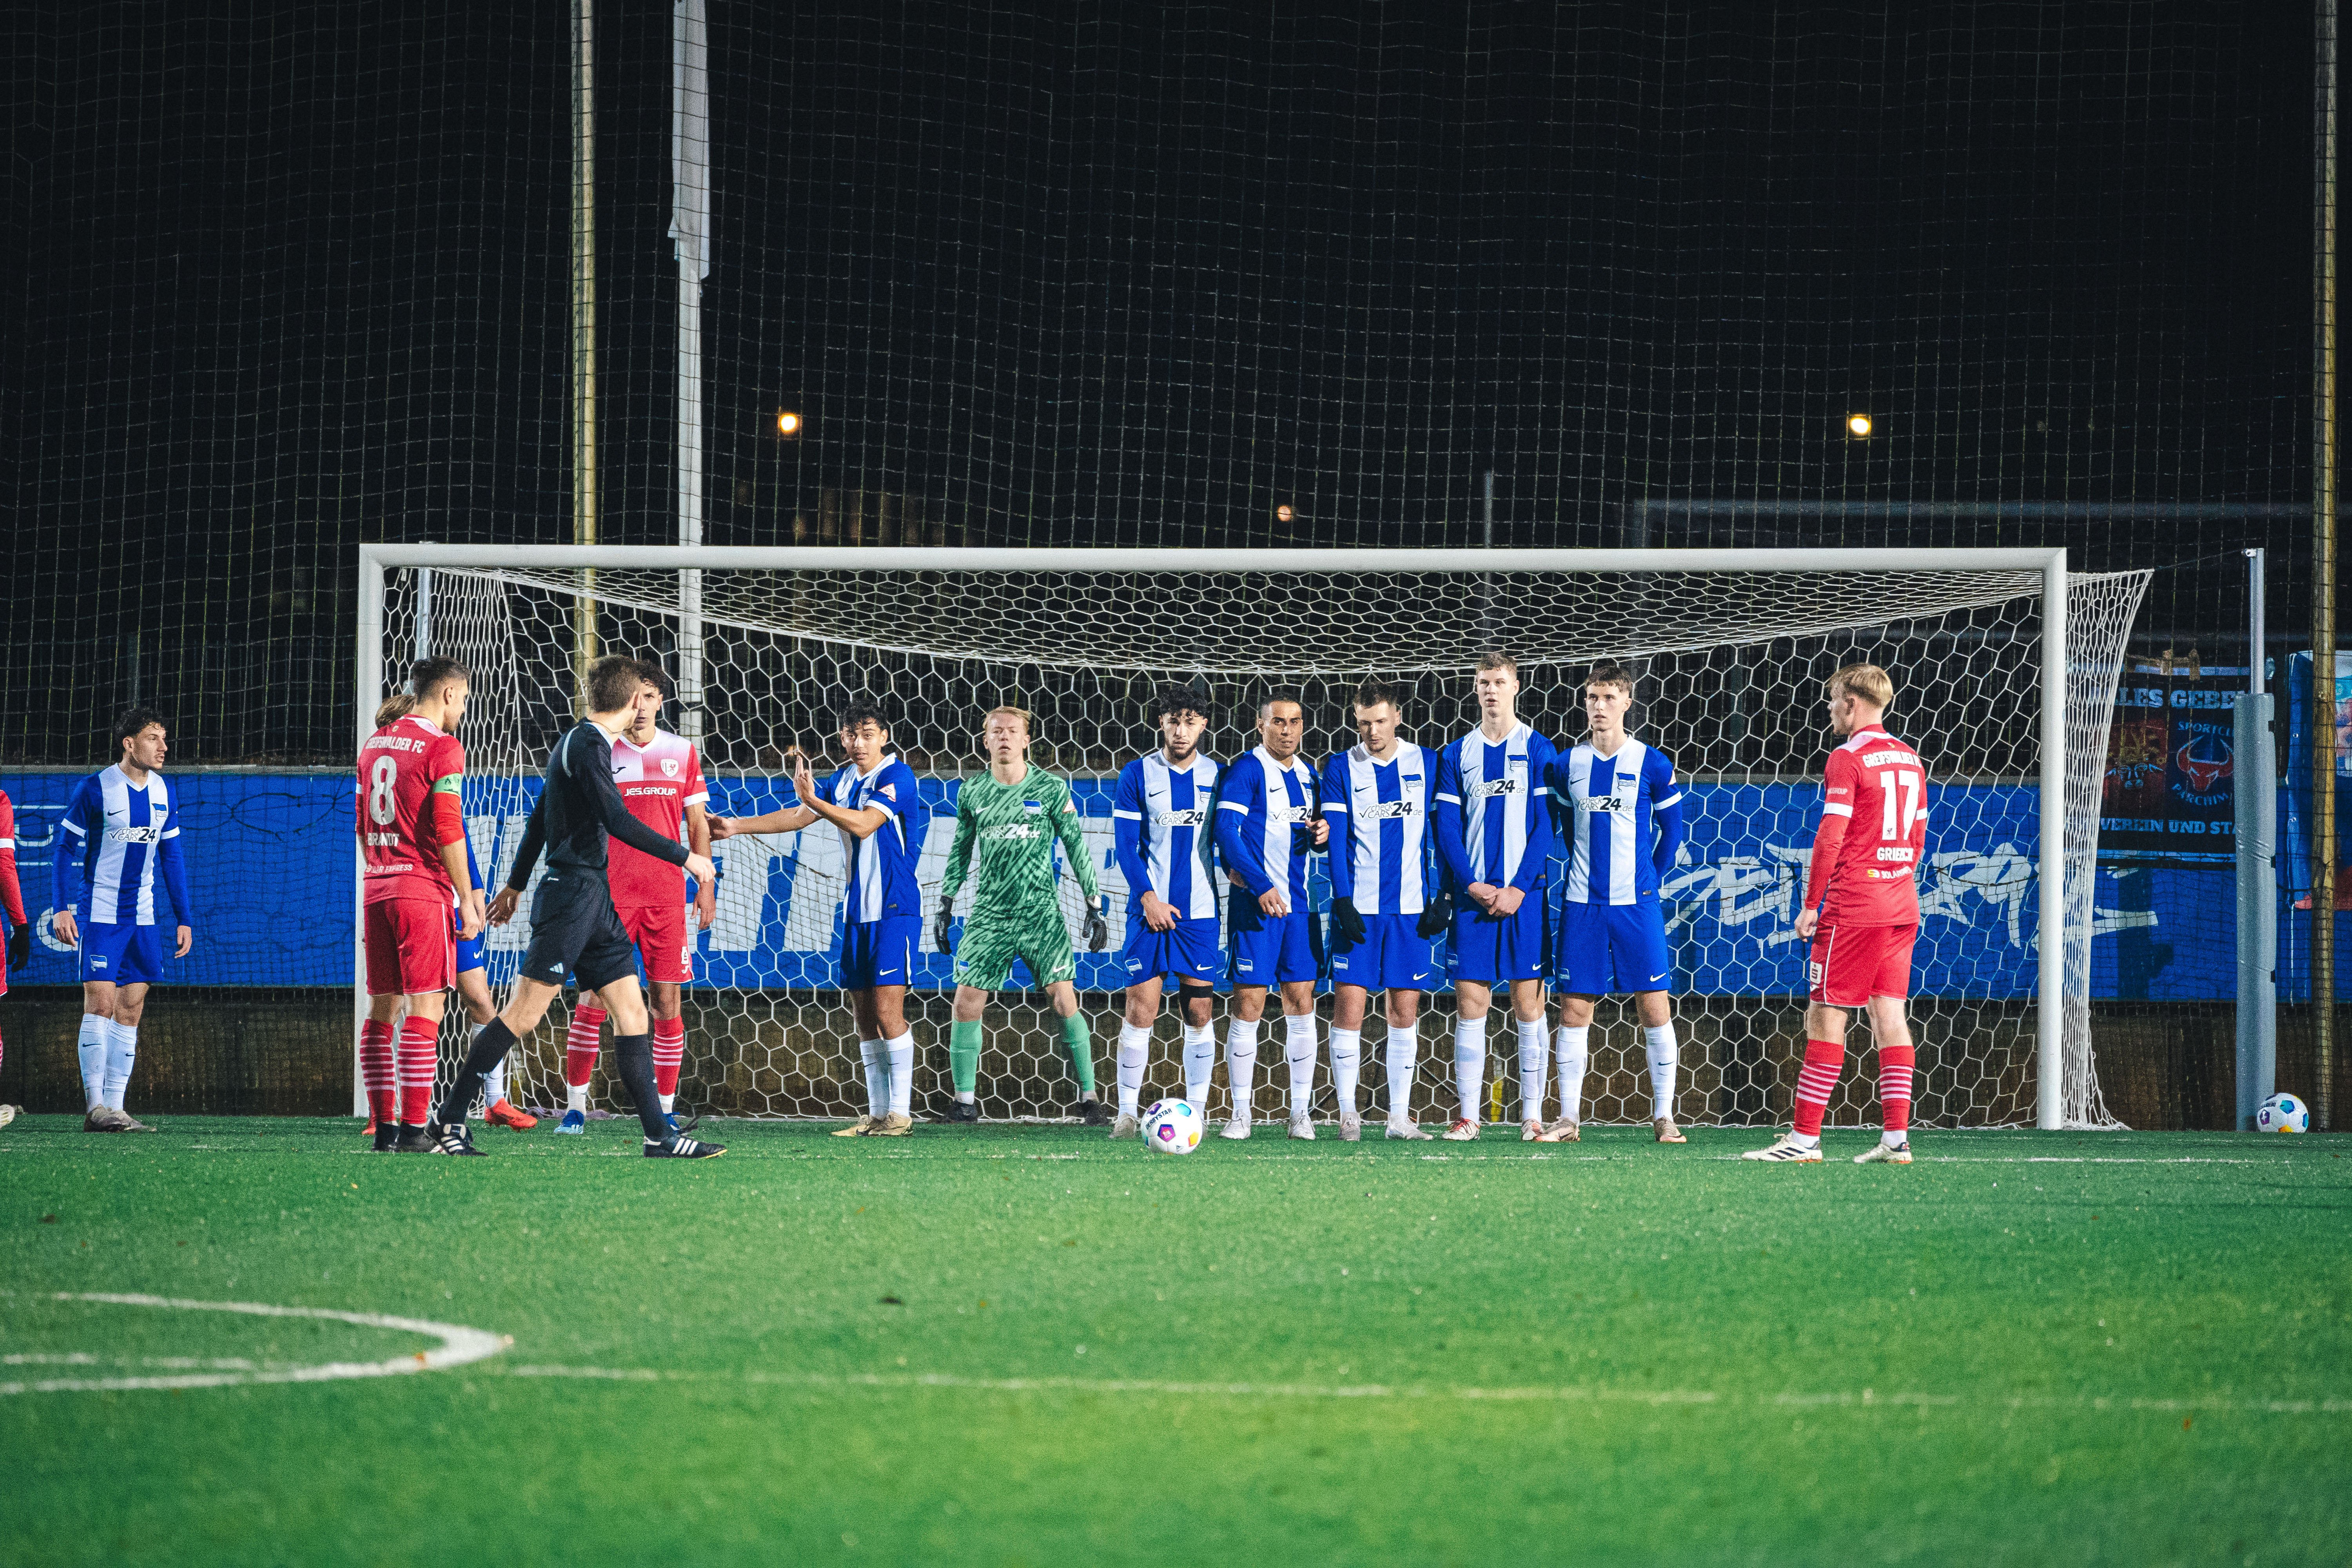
x,y
377,562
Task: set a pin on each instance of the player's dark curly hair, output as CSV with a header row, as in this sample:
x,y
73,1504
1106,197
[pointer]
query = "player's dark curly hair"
x,y
133,720
651,668
1181,696
858,709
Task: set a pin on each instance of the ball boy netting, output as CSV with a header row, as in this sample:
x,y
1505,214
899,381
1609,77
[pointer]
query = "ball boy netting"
x,y
1730,667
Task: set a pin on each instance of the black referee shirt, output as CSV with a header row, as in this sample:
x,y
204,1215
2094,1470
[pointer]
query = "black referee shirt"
x,y
581,808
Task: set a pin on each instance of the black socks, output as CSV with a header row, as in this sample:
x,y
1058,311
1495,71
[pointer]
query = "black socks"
x,y
491,1043
634,1055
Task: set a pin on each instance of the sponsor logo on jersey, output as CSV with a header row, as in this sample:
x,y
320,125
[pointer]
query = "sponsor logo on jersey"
x,y
133,835
1494,787
1293,814
1605,802
1191,817
1387,810
1013,830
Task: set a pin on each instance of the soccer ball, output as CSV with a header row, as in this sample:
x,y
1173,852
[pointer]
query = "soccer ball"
x,y
1172,1126
2283,1113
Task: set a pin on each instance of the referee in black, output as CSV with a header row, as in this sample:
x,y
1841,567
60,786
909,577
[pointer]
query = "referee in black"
x,y
573,926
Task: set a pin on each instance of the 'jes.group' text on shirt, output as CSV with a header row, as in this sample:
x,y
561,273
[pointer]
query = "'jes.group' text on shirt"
x,y
1380,852
1163,832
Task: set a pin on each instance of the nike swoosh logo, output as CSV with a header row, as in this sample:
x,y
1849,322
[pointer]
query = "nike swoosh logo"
x,y
1422,976
1657,977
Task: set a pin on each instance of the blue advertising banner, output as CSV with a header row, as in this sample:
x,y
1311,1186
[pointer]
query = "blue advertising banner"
x,y
271,873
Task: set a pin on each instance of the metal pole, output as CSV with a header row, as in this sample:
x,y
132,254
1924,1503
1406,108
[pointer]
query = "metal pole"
x,y
367,691
2255,775
583,332
689,229
2050,1023
2323,565
424,611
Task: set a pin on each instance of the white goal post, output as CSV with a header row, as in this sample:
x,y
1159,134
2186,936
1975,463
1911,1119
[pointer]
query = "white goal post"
x,y
1092,622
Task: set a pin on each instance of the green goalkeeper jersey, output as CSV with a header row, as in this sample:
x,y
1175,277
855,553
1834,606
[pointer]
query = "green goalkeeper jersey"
x,y
1013,829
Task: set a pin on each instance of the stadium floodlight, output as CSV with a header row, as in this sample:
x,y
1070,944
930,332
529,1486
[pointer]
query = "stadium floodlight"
x,y
2005,667
788,424
1284,514
1857,426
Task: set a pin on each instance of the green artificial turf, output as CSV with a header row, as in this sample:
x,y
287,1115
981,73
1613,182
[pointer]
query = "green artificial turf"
x,y
1029,1345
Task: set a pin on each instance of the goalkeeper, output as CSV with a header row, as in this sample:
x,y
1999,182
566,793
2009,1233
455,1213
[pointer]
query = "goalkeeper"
x,y
1011,817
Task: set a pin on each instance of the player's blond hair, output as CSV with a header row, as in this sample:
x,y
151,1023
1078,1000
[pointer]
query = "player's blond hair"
x,y
1867,681
1028,720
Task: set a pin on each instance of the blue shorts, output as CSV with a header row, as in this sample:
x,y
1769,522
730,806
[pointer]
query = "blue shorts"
x,y
880,952
1187,951
1605,949
1393,955
1270,949
122,955
472,952
1495,951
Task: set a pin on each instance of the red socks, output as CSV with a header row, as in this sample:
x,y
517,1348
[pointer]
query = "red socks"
x,y
1894,1064
581,1041
419,1056
375,1068
669,1054
1824,1061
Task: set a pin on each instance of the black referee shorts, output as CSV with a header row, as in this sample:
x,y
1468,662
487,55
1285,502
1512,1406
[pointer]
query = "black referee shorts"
x,y
574,928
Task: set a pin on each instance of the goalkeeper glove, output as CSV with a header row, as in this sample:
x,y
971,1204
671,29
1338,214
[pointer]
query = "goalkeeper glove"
x,y
1347,924
20,947
943,927
1436,915
1098,923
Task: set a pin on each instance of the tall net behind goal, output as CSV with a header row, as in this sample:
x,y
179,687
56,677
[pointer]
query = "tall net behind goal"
x,y
1729,664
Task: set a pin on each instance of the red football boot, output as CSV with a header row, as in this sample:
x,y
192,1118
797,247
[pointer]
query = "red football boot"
x,y
504,1115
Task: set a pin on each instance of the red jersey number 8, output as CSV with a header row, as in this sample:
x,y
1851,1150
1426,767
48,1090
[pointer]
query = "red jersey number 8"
x,y
383,805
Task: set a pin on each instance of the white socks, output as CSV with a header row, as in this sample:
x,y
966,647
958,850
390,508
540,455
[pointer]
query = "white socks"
x,y
1241,1065
1571,1044
494,1083
1531,1069
1199,1061
1298,1053
575,1098
1346,1066
1665,1057
121,1050
1469,1064
1134,1051
96,1034
1403,1056
876,1057
901,1053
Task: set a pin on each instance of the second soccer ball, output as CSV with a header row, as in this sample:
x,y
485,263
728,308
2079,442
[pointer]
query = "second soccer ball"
x,y
1173,1126
2283,1113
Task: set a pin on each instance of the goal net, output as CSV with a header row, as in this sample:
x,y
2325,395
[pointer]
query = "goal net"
x,y
1730,650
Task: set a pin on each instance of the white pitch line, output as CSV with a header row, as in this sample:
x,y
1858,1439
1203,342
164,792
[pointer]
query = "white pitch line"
x,y
459,1346
1570,1395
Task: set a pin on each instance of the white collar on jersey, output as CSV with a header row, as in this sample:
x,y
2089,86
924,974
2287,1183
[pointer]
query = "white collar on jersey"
x,y
1625,739
1478,734
660,735
154,777
1296,765
1360,749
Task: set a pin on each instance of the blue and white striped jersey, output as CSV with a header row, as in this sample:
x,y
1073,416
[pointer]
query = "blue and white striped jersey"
x,y
1494,821
1163,830
1264,814
1606,805
118,835
1379,847
881,878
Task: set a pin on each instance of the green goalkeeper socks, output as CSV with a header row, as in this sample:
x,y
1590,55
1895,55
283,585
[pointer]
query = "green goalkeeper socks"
x,y
1078,1039
964,1056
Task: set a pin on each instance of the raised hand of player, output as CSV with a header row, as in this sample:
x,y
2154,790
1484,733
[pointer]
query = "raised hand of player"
x,y
699,867
20,947
722,828
1158,914
185,939
803,777
502,908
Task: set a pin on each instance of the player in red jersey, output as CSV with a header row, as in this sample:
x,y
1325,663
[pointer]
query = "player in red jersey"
x,y
1862,915
12,899
660,780
412,826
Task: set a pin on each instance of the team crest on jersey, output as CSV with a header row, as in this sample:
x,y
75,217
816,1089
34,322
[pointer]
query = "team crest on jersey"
x,y
1033,805
669,767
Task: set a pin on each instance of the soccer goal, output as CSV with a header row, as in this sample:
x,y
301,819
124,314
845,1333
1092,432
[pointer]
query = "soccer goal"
x,y
2005,664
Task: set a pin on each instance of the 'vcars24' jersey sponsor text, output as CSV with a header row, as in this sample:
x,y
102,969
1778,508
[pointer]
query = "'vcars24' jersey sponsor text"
x,y
658,782
1380,825
1163,828
1609,806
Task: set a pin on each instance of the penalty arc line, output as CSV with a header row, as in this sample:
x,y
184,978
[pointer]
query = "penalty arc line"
x,y
459,1346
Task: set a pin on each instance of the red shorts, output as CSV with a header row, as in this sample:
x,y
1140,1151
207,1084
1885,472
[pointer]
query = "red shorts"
x,y
410,948
1852,964
660,931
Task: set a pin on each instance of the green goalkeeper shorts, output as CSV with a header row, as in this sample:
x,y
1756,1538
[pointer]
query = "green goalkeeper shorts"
x,y
984,958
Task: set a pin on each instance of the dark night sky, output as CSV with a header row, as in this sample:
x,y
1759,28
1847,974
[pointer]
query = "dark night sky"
x,y
288,277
